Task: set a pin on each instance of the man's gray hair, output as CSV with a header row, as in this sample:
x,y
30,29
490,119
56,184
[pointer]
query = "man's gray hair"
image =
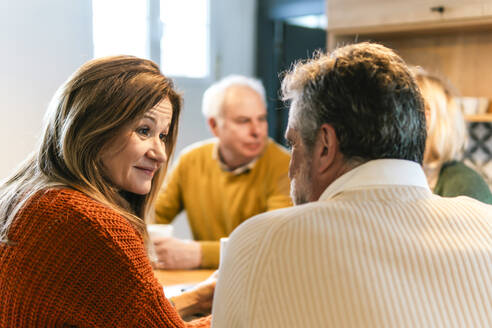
x,y
369,96
214,96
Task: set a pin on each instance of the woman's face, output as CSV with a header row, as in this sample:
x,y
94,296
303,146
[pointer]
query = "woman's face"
x,y
131,159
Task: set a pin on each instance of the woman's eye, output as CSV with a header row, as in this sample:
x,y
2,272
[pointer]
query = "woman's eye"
x,y
163,137
145,131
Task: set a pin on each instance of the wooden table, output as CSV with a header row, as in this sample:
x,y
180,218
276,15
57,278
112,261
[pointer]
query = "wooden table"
x,y
178,277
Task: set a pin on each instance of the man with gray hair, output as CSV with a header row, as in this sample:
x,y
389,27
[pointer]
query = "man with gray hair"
x,y
367,244
223,181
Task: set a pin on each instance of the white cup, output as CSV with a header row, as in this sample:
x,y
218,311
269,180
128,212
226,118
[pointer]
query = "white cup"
x,y
159,230
223,244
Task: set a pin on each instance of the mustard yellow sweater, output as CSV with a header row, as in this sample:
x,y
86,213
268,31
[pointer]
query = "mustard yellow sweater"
x,y
217,201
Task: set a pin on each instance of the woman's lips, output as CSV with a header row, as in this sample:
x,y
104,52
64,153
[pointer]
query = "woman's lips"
x,y
147,170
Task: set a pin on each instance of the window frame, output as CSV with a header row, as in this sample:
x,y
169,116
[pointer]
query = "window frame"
x,y
154,36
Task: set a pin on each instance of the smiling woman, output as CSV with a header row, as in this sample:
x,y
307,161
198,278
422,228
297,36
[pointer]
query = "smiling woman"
x,y
134,156
72,218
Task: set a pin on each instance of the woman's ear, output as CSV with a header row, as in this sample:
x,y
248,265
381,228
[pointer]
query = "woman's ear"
x,y
427,117
327,147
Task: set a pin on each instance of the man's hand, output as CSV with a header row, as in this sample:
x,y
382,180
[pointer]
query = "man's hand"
x,y
197,300
175,253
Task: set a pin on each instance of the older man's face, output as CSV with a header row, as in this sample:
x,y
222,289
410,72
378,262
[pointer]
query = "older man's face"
x,y
243,128
299,169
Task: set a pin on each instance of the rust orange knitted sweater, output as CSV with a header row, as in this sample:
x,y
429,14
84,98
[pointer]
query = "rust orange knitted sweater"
x,y
77,263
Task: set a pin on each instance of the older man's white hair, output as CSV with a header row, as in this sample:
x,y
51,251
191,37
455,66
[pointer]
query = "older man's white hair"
x,y
214,96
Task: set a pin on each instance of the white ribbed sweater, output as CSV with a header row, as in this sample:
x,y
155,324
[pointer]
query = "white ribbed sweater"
x,y
377,250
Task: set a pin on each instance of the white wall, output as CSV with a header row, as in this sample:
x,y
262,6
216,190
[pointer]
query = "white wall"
x,y
42,42
236,36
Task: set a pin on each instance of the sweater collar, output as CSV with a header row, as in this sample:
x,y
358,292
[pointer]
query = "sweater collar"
x,y
381,172
238,170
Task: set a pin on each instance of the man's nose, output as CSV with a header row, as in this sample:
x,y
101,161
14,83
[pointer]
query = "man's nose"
x,y
255,128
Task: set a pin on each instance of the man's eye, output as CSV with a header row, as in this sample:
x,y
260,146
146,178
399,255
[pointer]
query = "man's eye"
x,y
289,144
145,131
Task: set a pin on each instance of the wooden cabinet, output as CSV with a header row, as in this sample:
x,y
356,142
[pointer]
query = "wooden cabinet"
x,y
383,15
456,43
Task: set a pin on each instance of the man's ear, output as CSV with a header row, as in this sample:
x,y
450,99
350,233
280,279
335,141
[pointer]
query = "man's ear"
x,y
212,123
327,146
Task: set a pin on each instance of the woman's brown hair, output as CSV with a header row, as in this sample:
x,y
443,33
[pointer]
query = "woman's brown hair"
x,y
101,98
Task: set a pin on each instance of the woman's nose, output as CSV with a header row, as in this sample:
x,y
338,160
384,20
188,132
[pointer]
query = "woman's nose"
x,y
158,151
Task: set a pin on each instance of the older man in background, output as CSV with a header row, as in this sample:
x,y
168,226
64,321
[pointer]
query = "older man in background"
x,y
368,244
223,181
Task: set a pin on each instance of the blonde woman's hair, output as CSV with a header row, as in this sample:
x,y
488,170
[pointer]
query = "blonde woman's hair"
x,y
91,108
446,127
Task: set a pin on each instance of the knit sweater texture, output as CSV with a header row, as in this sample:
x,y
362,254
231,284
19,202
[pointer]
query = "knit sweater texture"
x,y
75,262
457,179
217,201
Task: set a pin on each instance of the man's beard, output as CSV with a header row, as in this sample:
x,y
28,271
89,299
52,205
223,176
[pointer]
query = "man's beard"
x,y
301,185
